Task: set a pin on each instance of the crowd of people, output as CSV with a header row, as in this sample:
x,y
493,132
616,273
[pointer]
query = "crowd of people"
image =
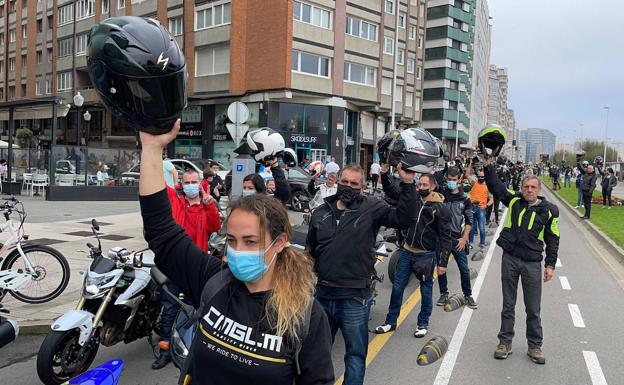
x,y
301,300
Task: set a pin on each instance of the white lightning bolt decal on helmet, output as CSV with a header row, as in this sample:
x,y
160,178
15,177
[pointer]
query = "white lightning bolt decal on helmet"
x,y
265,143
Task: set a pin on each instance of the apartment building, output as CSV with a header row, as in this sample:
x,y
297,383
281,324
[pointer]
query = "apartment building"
x,y
480,71
319,71
449,70
498,109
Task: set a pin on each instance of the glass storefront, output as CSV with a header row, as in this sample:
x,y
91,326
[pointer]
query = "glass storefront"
x,y
188,144
305,129
223,145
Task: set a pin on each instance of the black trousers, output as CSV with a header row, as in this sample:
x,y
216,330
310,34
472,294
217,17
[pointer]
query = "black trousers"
x,y
606,196
587,201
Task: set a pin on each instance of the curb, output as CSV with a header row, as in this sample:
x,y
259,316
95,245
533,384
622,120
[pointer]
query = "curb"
x,y
35,327
614,249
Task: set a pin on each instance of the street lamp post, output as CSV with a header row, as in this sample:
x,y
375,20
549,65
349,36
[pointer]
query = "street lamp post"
x,y
87,118
78,101
604,159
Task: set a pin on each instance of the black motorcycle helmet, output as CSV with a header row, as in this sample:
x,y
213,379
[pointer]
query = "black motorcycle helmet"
x,y
492,140
384,143
416,149
139,71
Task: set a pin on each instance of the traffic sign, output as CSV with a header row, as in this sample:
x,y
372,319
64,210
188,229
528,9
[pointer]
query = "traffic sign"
x,y
238,113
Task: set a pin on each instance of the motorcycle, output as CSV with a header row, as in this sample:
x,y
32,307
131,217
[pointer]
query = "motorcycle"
x,y
8,329
118,303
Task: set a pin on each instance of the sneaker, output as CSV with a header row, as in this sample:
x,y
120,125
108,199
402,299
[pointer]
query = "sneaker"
x,y
502,351
609,208
420,332
536,355
385,328
576,207
442,300
470,302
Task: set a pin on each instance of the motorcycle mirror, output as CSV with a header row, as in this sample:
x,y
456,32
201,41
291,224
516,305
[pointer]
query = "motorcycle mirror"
x,y
138,260
95,225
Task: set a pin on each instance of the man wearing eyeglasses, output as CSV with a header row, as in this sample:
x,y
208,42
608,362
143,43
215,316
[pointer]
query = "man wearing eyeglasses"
x,y
341,240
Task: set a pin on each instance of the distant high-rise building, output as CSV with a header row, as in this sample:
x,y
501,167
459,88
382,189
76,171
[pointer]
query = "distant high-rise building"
x,y
537,142
498,110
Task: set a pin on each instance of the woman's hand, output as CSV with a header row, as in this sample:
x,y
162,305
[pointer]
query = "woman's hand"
x,y
161,141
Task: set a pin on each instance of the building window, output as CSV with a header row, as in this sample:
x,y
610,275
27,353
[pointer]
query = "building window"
x,y
310,64
418,73
361,28
452,105
81,44
401,20
65,15
456,44
50,54
455,65
388,45
84,9
417,104
51,22
457,24
48,86
121,4
454,85
399,94
212,16
24,61
11,92
176,27
11,10
410,65
312,14
452,125
389,6
386,86
11,64
65,47
39,26
105,6
420,41
64,81
24,32
400,56
1,67
412,32
359,73
212,61
37,88
12,36
409,98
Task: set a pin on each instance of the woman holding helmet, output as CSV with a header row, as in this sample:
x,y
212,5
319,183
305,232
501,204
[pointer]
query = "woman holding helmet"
x,y
267,288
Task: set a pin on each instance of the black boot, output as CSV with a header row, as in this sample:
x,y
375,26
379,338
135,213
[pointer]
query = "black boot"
x,y
162,360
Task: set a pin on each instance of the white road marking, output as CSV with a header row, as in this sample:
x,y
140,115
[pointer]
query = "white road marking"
x,y
558,263
593,366
565,284
450,358
575,312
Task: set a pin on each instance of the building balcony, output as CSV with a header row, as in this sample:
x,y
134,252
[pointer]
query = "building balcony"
x,y
446,53
448,32
440,94
441,73
445,114
449,11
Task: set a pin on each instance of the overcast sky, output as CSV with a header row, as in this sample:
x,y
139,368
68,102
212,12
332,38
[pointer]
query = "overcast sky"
x,y
566,62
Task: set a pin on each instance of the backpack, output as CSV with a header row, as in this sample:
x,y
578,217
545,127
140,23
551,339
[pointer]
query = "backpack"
x,y
215,284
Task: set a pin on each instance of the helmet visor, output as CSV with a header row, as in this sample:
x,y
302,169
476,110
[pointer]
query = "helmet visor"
x,y
149,99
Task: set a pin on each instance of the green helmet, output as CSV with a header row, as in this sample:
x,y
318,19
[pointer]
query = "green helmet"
x,y
492,140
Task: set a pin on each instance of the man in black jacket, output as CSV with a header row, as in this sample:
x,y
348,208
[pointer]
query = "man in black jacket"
x,y
588,186
340,239
430,225
531,222
460,209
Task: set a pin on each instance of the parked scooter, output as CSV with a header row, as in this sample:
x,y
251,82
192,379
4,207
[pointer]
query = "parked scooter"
x,y
118,303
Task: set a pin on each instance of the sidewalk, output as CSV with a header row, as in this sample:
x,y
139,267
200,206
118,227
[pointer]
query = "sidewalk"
x,y
70,238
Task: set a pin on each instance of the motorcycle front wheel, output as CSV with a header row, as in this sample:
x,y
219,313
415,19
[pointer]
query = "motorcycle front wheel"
x,y
60,357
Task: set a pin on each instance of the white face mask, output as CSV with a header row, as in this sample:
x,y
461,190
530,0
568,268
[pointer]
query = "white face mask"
x,y
247,193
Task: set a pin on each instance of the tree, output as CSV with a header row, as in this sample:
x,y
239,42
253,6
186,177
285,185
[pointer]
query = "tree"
x,y
24,137
592,149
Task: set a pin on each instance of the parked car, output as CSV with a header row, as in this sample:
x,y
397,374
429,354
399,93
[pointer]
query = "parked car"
x,y
131,177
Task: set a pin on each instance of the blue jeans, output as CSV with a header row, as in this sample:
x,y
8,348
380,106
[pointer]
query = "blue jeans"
x,y
464,272
579,200
351,317
169,312
478,219
402,275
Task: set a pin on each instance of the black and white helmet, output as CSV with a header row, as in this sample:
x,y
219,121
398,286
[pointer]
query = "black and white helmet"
x,y
289,157
265,143
416,149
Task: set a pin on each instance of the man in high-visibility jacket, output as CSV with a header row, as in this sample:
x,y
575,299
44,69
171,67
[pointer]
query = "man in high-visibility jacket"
x,y
531,225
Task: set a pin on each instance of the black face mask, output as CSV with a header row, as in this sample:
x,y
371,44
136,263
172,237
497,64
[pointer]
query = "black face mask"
x,y
481,180
348,195
423,192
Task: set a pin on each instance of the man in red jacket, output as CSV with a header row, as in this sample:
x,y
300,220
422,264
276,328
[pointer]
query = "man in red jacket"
x,y
196,212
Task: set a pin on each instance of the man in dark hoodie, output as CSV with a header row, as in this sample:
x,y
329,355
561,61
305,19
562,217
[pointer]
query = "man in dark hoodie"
x,y
588,186
460,209
430,225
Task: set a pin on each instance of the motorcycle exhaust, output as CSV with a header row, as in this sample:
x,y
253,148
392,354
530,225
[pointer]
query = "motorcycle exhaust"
x,y
9,330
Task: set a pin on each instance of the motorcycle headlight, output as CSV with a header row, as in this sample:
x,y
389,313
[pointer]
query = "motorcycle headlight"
x,y
93,283
178,345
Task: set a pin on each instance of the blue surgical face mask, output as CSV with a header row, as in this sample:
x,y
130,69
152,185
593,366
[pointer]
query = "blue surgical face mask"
x,y
247,193
248,266
191,190
451,184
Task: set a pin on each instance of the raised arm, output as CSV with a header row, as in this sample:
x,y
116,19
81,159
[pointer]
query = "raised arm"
x,y
496,187
282,188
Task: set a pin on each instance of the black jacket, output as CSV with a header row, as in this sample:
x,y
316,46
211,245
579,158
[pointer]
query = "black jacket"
x,y
589,180
608,181
259,362
430,221
282,188
460,208
527,228
342,243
